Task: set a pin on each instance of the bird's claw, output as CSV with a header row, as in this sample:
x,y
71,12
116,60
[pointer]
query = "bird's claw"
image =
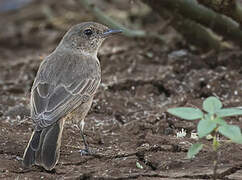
x,y
86,152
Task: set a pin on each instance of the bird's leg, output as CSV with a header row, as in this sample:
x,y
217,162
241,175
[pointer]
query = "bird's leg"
x,y
85,151
82,134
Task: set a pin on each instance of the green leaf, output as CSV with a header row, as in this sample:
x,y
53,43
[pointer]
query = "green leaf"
x,y
220,121
186,113
212,104
216,143
229,112
232,132
194,149
205,127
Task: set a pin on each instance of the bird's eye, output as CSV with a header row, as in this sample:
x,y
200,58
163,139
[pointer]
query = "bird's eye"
x,y
88,32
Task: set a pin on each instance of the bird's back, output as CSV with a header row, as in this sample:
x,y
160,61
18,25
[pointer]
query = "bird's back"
x,y
63,80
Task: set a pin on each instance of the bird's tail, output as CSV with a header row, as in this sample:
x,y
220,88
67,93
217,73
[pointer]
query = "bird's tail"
x,y
44,146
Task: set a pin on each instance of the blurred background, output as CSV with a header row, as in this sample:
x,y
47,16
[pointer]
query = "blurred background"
x,y
40,23
203,24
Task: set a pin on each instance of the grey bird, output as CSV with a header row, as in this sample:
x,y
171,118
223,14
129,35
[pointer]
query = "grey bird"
x,y
63,89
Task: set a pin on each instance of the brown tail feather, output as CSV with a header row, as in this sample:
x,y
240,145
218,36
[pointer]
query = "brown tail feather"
x,y
44,147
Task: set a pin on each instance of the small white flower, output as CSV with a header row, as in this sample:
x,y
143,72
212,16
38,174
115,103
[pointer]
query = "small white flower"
x,y
181,134
235,92
194,136
18,117
209,137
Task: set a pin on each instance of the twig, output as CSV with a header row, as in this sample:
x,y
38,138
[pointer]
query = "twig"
x,y
215,166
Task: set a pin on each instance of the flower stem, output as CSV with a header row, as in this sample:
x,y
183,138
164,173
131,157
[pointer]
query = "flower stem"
x,y
216,156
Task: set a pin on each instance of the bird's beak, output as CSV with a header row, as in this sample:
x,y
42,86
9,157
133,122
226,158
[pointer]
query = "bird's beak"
x,y
110,32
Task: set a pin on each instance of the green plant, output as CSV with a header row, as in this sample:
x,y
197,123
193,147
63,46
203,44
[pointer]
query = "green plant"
x,y
211,123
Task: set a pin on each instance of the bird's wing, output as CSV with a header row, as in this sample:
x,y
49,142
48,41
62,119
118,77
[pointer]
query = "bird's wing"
x,y
53,97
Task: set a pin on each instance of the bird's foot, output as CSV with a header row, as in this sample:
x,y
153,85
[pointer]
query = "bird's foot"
x,y
86,152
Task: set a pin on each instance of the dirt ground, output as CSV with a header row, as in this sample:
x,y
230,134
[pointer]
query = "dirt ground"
x,y
128,128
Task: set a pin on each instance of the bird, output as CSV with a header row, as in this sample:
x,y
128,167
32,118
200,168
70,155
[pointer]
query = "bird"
x,y
63,89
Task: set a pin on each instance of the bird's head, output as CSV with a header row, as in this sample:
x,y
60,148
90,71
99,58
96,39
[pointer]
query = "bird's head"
x,y
86,37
